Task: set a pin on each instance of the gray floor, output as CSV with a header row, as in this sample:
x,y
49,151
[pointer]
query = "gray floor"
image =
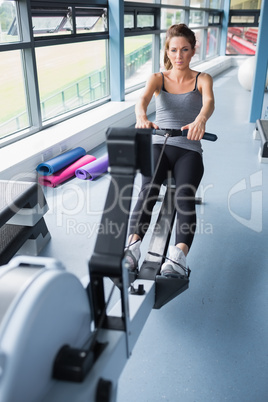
x,y
210,343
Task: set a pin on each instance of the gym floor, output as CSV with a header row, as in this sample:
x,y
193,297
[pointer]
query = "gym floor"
x,y
210,343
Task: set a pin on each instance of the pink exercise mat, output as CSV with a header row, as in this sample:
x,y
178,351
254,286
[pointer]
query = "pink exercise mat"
x,y
65,173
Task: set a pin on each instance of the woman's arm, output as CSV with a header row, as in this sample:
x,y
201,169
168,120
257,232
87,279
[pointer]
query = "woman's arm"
x,y
196,129
152,86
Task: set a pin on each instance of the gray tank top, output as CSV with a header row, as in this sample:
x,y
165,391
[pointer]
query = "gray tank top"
x,y
174,111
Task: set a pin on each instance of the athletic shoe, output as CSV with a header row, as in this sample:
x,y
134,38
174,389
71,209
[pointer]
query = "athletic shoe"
x,y
133,254
176,263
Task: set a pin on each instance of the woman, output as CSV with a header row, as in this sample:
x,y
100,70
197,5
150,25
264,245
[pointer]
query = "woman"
x,y
184,100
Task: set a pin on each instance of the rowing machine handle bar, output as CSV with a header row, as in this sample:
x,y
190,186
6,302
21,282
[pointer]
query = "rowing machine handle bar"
x,y
175,133
206,136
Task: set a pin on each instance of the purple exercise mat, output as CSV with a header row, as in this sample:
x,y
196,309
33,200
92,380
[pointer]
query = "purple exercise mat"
x,y
94,169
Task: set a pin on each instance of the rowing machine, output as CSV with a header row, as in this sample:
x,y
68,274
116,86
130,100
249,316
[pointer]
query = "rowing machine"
x,y
58,341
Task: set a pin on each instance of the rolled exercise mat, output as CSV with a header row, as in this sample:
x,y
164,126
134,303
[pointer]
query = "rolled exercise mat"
x,y
65,173
94,169
61,161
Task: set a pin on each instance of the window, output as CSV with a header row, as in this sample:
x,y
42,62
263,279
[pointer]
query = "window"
x,y
214,19
173,2
170,16
241,40
242,31
245,4
71,76
129,20
212,42
199,34
244,17
13,106
8,22
55,61
139,18
47,21
162,50
141,1
215,4
139,47
52,20
145,20
198,3
91,19
197,18
138,59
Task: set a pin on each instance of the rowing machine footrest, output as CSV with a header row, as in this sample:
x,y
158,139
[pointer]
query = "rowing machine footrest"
x,y
169,288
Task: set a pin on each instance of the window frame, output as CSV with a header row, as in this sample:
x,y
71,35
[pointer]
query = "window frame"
x,y
146,9
244,13
73,36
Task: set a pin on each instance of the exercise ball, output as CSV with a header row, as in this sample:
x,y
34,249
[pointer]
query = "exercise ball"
x,y
246,73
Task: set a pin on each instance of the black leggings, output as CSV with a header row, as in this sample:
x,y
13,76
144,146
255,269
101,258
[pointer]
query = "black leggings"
x,y
187,169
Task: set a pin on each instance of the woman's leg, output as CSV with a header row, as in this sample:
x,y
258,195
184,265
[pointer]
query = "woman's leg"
x,y
141,216
188,172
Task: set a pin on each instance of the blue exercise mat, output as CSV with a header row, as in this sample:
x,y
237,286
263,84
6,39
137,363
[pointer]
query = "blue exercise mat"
x,y
55,164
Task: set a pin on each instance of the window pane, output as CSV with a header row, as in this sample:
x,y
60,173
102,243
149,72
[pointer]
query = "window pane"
x,y
51,21
13,116
138,59
242,19
214,18
196,18
245,4
44,26
8,22
91,19
71,76
173,2
197,3
142,1
145,20
171,16
215,4
212,42
199,34
162,49
241,40
129,21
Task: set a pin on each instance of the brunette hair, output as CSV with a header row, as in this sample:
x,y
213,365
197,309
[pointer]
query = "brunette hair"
x,y
177,30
